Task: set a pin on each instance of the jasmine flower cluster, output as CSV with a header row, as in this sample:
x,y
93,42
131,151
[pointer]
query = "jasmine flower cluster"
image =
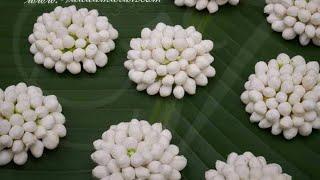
x,y
67,38
137,150
283,95
211,5
247,167
28,121
295,18
170,60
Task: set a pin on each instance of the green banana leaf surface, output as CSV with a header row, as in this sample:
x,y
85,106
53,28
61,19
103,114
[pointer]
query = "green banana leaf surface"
x,y
206,126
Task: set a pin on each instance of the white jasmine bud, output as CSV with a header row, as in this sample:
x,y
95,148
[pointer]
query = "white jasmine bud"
x,y
255,96
304,40
113,167
17,146
154,167
279,10
316,124
68,42
288,34
149,76
41,111
310,31
290,133
137,160
168,80
255,117
101,157
173,67
193,70
264,124
28,139
128,173
5,157
145,33
67,57
245,97
5,127
286,122
190,86
113,33
284,108
305,129
100,172
172,54
91,50
118,151
80,43
189,54
141,87
142,172
290,21
60,67
100,59
20,158
272,115
293,11
40,132
89,66
178,92
201,80
154,88
140,65
158,54
209,71
304,15
178,163
16,132
212,7
281,97
74,67
16,120
51,103
183,64
79,54
7,108
51,140
60,130
278,26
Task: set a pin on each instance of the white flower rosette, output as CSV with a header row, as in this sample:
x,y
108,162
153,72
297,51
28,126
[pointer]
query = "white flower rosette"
x,y
246,166
283,95
71,39
211,5
170,60
295,18
28,121
137,150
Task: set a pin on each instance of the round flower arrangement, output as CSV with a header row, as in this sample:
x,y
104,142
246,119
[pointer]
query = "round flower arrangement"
x,y
295,18
284,95
67,38
211,5
246,166
170,59
28,121
137,150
